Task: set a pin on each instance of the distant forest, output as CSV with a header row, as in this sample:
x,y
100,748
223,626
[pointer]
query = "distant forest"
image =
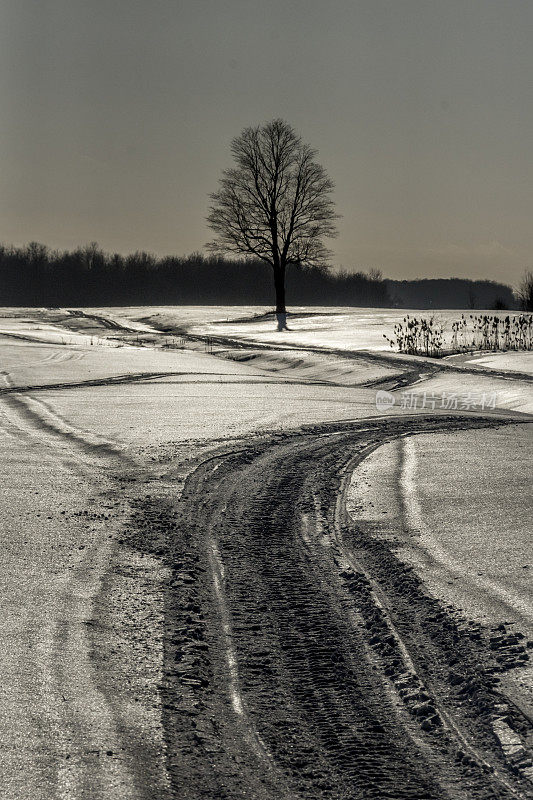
x,y
450,293
34,275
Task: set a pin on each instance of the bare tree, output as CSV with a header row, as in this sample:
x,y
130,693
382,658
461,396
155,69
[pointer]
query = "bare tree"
x,y
525,292
275,204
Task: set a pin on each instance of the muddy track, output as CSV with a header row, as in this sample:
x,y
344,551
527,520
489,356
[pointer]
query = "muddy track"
x,y
105,322
302,659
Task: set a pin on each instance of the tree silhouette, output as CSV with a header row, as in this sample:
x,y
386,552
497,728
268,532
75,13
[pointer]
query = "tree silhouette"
x,y
275,204
525,291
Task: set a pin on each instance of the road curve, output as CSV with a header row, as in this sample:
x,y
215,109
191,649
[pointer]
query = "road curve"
x,y
302,659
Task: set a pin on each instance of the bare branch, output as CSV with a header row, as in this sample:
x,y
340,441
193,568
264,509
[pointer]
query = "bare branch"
x,y
276,202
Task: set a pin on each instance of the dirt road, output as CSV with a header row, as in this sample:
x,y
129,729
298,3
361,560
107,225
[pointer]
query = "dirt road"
x,y
302,659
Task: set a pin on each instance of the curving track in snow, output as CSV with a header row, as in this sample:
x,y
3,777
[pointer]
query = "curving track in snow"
x,y
244,640
303,660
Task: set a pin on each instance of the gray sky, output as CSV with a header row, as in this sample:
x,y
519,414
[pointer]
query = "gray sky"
x,y
117,117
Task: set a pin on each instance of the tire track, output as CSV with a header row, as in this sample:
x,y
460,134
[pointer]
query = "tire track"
x,y
350,678
92,745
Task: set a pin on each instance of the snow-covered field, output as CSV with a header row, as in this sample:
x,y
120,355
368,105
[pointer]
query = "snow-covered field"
x,y
460,507
512,361
348,329
106,413
343,330
146,395
327,326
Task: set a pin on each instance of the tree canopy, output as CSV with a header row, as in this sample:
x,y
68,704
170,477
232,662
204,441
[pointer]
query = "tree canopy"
x,y
276,202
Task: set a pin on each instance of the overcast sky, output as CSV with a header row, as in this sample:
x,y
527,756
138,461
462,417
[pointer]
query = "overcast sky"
x,y
117,117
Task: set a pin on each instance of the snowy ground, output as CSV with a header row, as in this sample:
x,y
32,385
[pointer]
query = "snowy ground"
x,y
510,362
102,425
327,326
344,330
463,521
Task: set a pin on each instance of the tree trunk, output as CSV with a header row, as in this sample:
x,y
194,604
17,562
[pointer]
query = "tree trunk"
x,y
279,285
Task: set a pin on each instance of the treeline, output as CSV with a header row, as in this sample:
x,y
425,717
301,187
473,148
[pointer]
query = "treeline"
x,y
34,275
451,293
